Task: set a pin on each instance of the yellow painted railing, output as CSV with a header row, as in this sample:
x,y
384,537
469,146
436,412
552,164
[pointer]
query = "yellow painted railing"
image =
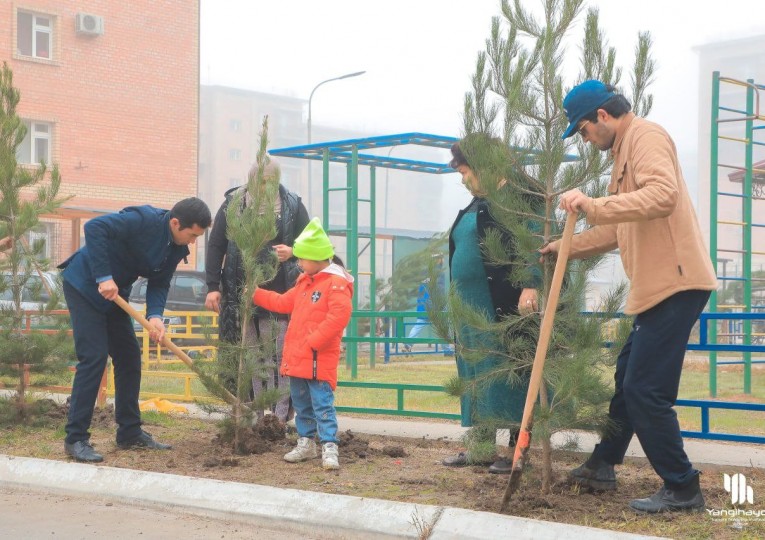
x,y
191,334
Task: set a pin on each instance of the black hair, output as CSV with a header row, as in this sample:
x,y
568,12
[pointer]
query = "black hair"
x,y
190,212
616,106
458,158
337,260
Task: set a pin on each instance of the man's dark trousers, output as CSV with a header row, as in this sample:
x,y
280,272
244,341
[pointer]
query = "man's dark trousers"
x,y
98,335
647,379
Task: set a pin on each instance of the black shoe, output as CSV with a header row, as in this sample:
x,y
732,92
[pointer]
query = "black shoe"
x,y
83,451
501,466
144,440
685,499
595,474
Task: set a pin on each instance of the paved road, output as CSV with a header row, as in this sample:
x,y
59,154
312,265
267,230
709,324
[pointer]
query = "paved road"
x,y
33,515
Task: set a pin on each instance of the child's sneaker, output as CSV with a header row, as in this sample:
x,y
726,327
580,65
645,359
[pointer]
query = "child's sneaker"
x,y
305,449
329,456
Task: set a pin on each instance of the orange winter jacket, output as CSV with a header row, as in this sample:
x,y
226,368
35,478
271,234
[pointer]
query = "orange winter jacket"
x,y
321,308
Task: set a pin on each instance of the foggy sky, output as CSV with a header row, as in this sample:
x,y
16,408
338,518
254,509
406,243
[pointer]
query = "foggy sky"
x,y
419,56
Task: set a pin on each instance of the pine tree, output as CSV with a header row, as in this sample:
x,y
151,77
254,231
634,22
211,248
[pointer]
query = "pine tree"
x,y
27,194
251,225
513,121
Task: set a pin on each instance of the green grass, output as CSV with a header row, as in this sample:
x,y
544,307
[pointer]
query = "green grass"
x,y
694,384
430,374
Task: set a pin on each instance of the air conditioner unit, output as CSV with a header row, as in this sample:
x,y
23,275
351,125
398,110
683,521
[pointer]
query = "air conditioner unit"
x,y
90,25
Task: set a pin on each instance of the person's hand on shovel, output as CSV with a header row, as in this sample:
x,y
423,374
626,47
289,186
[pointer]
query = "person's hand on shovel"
x,y
157,331
572,201
108,289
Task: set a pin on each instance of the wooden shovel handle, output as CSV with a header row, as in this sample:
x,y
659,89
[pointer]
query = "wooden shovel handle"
x,y
535,382
545,330
228,396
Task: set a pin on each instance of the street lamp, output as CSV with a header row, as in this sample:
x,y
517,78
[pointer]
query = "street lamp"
x,y
346,76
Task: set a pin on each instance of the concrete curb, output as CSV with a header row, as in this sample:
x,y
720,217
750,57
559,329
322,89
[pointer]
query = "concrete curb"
x,y
318,515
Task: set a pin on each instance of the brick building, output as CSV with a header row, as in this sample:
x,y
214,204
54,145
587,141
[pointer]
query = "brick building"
x,y
109,92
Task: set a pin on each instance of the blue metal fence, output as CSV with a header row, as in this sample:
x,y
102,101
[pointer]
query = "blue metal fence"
x,y
704,406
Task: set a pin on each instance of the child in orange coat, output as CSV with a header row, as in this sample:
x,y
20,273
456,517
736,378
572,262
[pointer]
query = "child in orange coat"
x,y
320,308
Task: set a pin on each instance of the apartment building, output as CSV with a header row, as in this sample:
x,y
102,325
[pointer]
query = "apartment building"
x,y
109,92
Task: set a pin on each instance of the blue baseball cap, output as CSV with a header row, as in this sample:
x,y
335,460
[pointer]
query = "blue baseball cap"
x,y
581,101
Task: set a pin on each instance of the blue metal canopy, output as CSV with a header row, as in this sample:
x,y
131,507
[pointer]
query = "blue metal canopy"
x,y
342,151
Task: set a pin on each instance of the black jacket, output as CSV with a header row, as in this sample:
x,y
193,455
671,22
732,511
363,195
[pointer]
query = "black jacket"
x,y
228,277
504,294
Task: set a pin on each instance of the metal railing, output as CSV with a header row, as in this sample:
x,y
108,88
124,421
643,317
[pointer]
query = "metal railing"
x,y
189,330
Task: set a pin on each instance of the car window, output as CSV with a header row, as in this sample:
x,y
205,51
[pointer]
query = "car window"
x,y
32,288
139,290
32,291
188,288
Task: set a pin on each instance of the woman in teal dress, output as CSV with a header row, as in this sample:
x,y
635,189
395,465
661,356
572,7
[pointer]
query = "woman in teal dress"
x,y
485,287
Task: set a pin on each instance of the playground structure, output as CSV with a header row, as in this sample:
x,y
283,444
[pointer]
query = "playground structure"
x,y
354,153
737,186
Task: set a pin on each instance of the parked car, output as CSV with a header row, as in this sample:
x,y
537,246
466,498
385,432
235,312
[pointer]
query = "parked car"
x,y
35,293
187,292
34,296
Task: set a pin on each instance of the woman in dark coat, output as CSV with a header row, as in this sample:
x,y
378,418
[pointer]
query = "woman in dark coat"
x,y
485,287
225,282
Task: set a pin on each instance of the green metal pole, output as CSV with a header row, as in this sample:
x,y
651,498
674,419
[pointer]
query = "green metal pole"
x,y
372,261
325,181
713,172
747,234
352,197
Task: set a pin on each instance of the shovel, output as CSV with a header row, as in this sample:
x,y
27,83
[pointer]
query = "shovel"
x,y
228,396
524,437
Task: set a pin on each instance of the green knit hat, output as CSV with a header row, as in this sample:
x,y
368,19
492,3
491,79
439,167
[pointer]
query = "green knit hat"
x,y
313,243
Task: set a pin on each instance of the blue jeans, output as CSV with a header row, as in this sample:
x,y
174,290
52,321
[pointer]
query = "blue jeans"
x,y
419,325
314,404
97,336
647,379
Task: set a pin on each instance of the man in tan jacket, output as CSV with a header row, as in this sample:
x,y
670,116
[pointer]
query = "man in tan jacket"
x,y
649,217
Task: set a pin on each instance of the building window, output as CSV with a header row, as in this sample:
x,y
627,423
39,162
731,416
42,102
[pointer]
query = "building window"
x,y
235,154
235,125
34,35
43,234
35,147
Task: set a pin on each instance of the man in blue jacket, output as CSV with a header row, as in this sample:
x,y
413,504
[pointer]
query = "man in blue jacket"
x,y
138,241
